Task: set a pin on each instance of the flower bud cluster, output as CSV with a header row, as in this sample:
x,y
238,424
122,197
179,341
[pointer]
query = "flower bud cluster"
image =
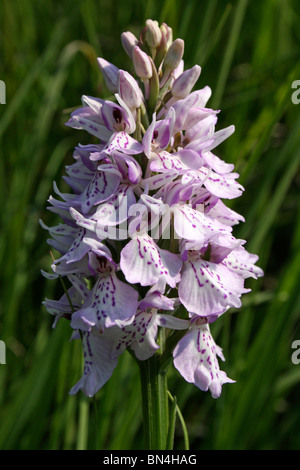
x,y
145,240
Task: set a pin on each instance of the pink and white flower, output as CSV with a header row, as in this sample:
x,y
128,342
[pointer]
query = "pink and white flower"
x,y
145,219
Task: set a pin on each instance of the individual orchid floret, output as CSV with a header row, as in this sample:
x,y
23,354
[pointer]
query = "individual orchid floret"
x,y
196,358
72,299
182,109
143,262
102,348
63,236
141,334
158,135
116,118
207,288
242,263
103,185
111,301
89,120
122,143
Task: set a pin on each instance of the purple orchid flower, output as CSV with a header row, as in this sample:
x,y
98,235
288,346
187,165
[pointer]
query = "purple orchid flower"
x,y
196,358
142,261
145,231
99,362
111,301
141,334
102,348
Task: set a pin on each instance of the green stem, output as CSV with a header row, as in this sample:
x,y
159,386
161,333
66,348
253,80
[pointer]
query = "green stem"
x,y
171,431
155,403
183,425
82,436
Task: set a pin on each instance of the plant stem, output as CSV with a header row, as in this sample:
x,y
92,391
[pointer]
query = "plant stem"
x,y
155,403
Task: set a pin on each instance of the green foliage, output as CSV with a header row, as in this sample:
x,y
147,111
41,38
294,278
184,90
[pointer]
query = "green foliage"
x,y
249,52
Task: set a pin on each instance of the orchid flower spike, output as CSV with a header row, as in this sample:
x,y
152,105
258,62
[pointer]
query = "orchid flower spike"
x,y
145,239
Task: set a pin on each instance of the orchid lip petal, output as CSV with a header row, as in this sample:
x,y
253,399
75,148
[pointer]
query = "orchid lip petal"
x,y
195,357
123,142
111,302
99,363
207,288
143,262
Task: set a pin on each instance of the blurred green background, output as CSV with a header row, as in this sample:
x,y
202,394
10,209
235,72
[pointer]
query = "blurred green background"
x,y
249,53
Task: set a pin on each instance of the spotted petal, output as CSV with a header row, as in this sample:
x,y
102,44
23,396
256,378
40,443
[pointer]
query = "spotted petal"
x,y
140,335
191,224
195,357
208,288
242,263
143,262
101,188
124,143
99,363
77,250
112,302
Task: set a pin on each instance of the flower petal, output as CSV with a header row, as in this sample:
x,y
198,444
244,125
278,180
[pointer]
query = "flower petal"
x,y
101,188
99,363
242,263
112,302
208,288
191,224
140,335
123,142
195,357
143,262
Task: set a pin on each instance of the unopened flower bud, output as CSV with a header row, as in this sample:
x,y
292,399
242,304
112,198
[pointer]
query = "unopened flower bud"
x,y
174,55
129,90
179,70
167,33
129,41
110,74
152,34
142,63
185,82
